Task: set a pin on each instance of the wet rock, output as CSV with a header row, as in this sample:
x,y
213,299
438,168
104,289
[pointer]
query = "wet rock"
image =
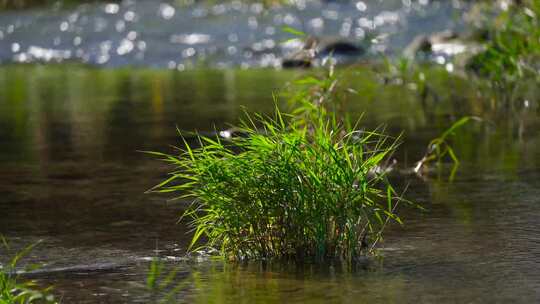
x,y
300,59
420,44
424,45
316,50
444,47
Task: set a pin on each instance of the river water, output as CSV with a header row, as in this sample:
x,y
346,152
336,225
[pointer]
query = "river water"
x,y
71,174
165,35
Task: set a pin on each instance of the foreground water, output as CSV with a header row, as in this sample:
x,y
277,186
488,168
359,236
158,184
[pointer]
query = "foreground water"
x,y
70,174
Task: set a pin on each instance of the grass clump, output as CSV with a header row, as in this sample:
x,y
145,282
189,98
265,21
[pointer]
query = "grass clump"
x,y
13,289
512,52
287,190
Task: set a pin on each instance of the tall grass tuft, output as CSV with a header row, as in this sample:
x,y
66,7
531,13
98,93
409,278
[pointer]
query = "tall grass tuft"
x,y
303,191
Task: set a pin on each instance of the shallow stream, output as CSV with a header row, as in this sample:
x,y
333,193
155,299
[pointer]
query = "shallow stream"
x,y
221,35
70,175
130,72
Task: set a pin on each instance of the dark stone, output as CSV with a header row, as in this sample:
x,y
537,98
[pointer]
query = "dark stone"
x,y
341,48
317,48
291,63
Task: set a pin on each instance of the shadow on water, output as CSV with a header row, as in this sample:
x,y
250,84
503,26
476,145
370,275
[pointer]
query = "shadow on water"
x,y
70,174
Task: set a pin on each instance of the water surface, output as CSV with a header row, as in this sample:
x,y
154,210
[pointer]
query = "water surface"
x,y
217,34
70,174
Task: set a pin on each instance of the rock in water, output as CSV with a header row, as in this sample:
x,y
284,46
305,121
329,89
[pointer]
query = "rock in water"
x,y
317,49
426,45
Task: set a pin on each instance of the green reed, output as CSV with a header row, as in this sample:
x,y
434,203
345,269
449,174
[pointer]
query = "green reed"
x,y
309,190
14,289
440,147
